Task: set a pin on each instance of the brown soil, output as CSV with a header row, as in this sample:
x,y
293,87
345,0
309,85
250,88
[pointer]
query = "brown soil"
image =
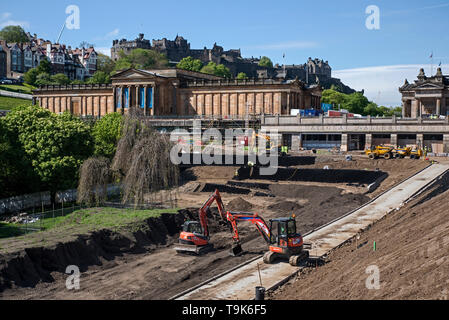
x,y
411,255
239,205
160,273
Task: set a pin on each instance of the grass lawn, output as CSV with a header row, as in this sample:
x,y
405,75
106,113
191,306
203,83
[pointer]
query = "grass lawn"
x,y
9,230
17,88
99,218
8,103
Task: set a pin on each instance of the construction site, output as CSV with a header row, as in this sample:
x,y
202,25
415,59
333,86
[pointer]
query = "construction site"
x,y
224,235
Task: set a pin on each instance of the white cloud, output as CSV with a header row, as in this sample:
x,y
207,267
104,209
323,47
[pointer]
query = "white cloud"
x,y
286,45
113,33
381,84
104,50
4,22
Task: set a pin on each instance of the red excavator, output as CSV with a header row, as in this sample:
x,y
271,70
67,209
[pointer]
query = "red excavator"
x,y
282,237
195,235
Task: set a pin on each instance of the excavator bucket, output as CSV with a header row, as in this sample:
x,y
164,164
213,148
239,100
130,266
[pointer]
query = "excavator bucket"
x,y
236,250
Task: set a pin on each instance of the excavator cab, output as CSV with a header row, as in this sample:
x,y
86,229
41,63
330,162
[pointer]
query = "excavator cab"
x,y
286,242
192,227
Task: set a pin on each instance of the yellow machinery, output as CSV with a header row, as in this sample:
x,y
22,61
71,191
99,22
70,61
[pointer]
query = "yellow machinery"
x,y
380,152
388,152
416,154
402,152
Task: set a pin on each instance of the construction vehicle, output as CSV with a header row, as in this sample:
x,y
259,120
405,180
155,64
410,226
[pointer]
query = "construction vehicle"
x,y
416,153
385,152
402,152
282,237
195,237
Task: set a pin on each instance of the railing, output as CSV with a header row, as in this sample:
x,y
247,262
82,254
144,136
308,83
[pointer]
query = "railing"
x,y
344,120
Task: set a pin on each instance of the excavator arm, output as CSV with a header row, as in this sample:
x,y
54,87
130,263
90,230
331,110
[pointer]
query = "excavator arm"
x,y
215,197
254,218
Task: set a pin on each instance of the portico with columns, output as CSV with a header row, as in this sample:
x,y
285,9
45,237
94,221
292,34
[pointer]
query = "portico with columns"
x,y
428,96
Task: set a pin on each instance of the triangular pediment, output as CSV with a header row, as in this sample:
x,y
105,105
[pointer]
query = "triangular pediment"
x,y
133,74
429,85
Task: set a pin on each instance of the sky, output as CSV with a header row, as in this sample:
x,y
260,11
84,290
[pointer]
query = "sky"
x,y
376,60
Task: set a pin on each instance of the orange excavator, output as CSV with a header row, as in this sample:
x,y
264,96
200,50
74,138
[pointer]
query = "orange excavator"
x,y
282,237
195,236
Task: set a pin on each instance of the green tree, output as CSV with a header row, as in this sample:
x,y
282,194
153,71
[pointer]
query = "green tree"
x,y
107,132
56,145
99,77
60,79
335,98
43,79
13,34
265,62
190,64
30,76
242,76
217,70
356,102
222,71
141,59
105,64
44,67
16,177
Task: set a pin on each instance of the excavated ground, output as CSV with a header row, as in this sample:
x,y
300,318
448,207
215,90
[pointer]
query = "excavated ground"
x,y
130,266
411,256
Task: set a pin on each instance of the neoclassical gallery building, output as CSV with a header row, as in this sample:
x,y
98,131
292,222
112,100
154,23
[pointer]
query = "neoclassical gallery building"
x,y
175,92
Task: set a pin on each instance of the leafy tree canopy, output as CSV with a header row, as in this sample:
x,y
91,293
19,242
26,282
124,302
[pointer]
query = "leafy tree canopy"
x,y
13,34
141,59
107,132
242,76
60,78
99,77
56,145
44,67
105,64
218,70
265,62
190,64
30,76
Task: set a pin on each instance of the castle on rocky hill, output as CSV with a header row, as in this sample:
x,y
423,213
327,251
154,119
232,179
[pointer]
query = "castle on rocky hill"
x,y
311,72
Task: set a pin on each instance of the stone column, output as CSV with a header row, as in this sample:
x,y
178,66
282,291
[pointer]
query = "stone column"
x,y
394,139
420,140
137,96
446,143
438,111
344,142
129,97
404,107
114,99
296,142
415,109
368,141
145,97
153,99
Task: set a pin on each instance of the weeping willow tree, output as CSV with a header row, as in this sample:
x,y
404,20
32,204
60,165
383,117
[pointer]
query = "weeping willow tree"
x,y
95,175
142,162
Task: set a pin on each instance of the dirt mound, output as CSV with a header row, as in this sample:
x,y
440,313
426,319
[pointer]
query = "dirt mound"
x,y
30,266
239,204
286,207
410,269
303,191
